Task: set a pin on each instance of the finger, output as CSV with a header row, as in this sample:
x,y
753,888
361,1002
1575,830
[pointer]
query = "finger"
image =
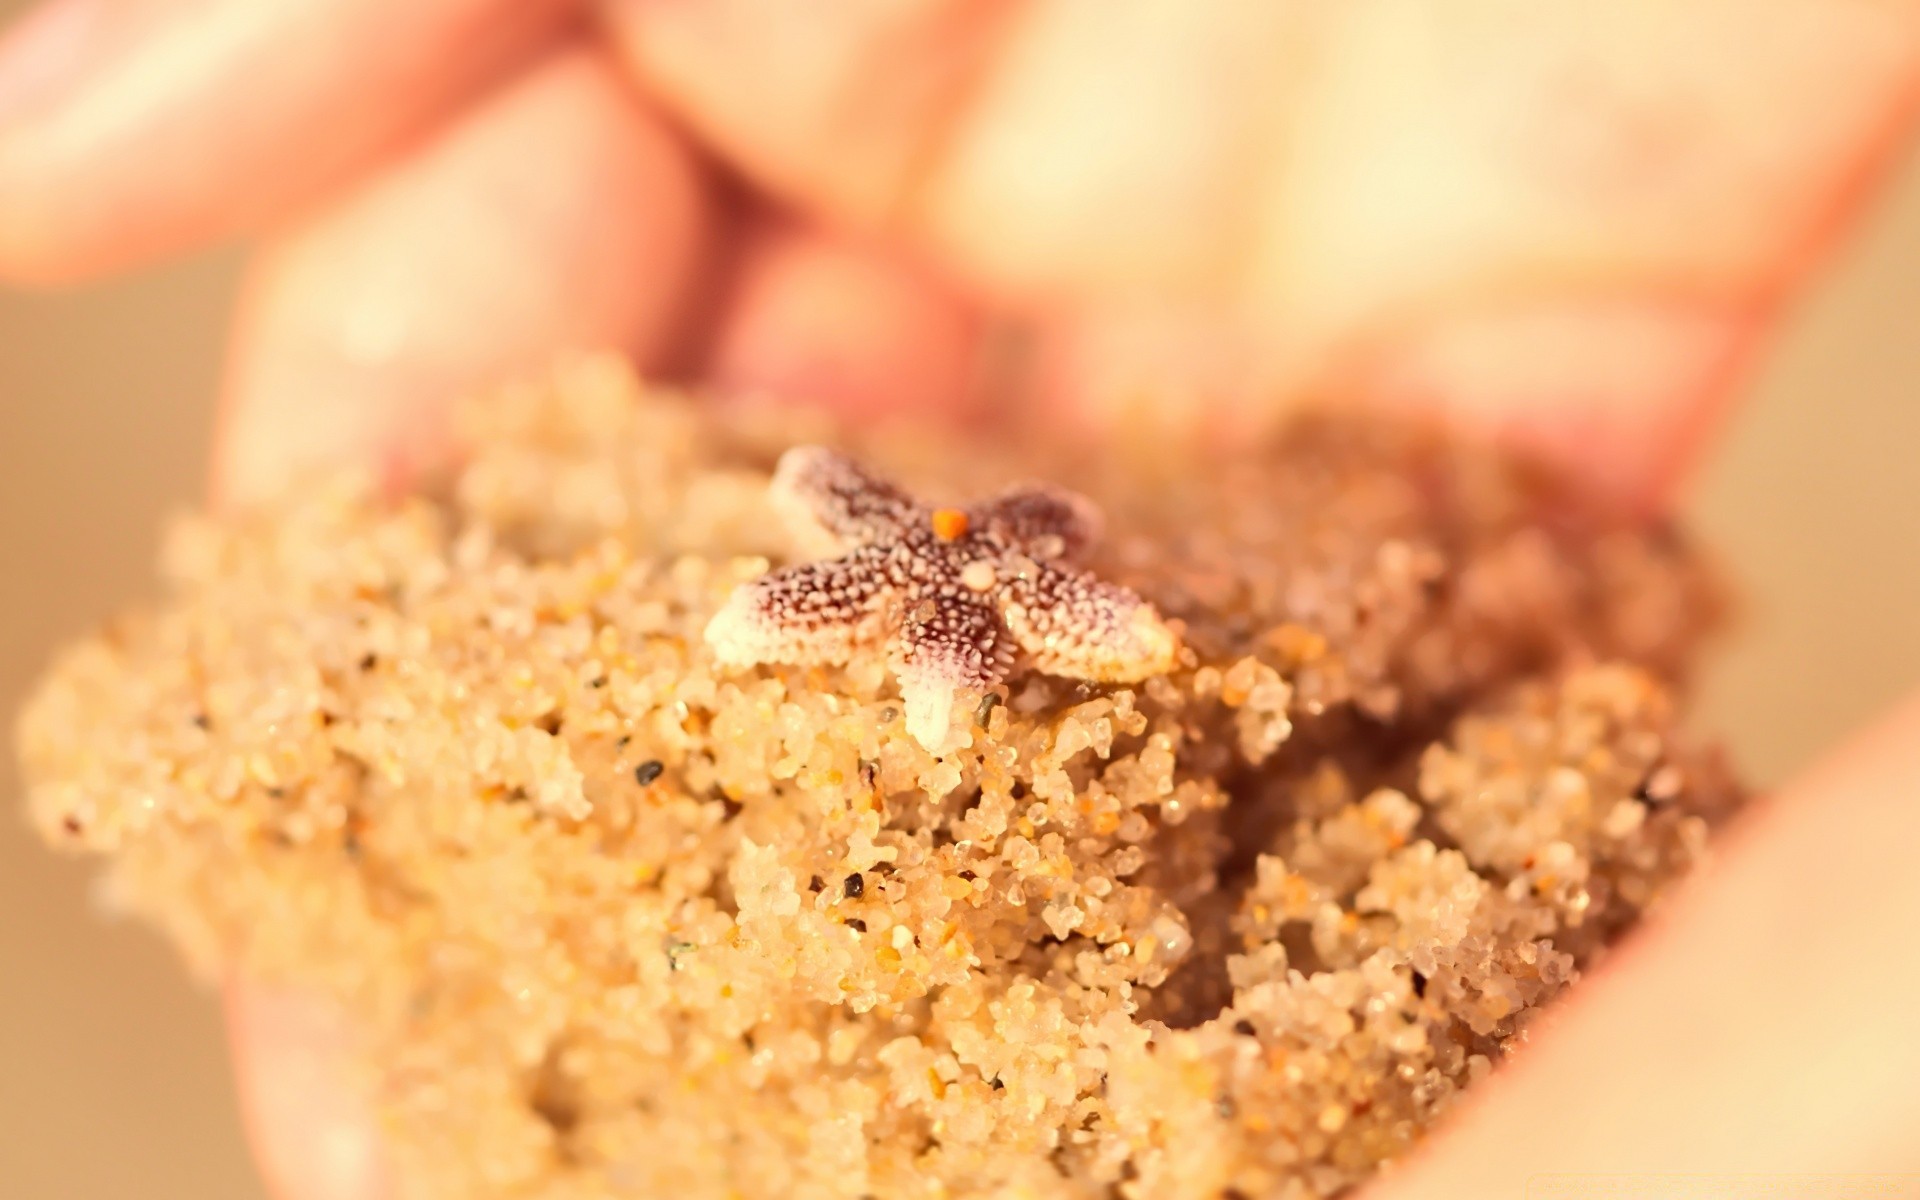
x,y
835,106
1622,391
1327,163
1576,218
304,1114
1575,227
559,215
1627,390
1762,1029
131,128
827,318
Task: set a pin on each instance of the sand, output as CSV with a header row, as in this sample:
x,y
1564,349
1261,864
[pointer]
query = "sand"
x,y
619,918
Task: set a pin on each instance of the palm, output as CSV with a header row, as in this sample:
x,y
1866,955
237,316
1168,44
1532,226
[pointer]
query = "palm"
x,y
1573,220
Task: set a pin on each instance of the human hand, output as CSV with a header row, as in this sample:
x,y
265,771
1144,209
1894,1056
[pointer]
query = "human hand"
x,y
1575,224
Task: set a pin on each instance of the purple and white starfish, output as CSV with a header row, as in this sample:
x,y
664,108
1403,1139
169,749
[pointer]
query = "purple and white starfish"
x,y
955,596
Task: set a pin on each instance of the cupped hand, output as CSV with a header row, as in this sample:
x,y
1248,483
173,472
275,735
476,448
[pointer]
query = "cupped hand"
x,y
1573,223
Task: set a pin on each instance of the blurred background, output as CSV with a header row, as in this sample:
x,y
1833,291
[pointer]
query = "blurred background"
x,y
112,1067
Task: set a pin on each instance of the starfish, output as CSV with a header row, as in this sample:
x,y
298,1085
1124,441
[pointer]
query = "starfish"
x,y
955,596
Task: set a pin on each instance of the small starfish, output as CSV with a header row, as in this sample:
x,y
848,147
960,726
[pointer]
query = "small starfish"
x,y
956,596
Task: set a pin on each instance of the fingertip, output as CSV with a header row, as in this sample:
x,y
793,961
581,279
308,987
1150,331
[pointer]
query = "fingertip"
x,y
561,215
312,1133
833,319
1621,392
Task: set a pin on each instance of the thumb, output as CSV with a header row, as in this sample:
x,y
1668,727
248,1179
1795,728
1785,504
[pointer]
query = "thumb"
x,y
311,1132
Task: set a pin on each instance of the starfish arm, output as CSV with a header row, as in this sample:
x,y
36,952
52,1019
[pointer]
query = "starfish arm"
x,y
950,648
1071,624
818,491
1033,515
815,612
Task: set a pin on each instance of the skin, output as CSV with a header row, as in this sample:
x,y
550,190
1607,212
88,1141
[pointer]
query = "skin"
x,y
1573,225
